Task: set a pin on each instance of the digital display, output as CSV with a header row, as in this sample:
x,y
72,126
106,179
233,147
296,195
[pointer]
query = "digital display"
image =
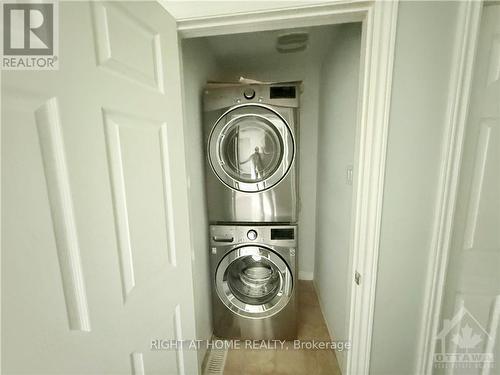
x,y
282,234
282,92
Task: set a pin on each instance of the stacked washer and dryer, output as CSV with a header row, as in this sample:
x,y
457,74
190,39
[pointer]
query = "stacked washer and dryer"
x,y
251,137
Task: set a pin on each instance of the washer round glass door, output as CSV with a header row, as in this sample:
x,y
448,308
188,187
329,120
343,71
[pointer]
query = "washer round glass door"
x,y
251,148
254,282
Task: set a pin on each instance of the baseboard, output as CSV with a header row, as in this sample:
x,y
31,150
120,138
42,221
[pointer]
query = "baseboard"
x,y
339,355
305,275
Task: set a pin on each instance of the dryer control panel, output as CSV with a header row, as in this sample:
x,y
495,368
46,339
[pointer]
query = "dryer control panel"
x,y
218,96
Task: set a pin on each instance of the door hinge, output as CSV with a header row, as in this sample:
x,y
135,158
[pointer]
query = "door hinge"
x,y
357,277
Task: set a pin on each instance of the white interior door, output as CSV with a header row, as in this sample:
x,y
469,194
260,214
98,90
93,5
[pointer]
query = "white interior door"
x,y
95,242
473,279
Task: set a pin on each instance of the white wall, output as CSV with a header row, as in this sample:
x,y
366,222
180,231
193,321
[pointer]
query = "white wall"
x,y
424,43
336,147
195,77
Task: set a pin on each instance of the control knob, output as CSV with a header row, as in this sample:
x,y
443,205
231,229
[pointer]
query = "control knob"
x,y
252,234
249,93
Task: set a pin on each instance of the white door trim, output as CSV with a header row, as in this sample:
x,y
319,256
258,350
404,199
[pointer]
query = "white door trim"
x,y
311,15
377,64
460,83
379,30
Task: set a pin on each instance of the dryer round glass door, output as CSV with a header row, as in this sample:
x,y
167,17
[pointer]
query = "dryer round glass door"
x,y
251,148
254,282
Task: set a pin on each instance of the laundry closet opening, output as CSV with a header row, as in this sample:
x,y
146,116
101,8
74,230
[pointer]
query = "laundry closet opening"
x,y
326,152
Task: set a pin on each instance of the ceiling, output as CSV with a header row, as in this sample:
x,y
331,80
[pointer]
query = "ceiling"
x,y
263,44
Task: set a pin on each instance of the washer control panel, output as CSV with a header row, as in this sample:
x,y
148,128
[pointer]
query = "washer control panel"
x,y
277,235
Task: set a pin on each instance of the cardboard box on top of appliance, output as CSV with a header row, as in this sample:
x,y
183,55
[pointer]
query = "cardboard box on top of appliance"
x,y
247,81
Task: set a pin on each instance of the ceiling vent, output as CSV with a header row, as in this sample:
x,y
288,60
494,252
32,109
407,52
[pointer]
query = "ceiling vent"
x,y
292,42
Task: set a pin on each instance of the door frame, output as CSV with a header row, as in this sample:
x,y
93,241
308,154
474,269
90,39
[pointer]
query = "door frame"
x,y
467,32
379,20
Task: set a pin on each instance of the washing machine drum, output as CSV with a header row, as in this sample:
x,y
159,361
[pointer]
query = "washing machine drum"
x,y
251,148
254,282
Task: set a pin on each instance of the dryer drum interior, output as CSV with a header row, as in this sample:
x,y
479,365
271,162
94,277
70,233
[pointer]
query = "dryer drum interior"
x,y
251,148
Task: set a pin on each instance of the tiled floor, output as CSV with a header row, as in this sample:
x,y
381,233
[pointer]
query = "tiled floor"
x,y
290,362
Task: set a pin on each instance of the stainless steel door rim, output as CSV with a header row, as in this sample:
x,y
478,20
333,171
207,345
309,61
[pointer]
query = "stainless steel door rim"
x,y
260,169
274,303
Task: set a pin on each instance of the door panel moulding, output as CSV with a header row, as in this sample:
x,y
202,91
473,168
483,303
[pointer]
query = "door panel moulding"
x,y
48,121
379,33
